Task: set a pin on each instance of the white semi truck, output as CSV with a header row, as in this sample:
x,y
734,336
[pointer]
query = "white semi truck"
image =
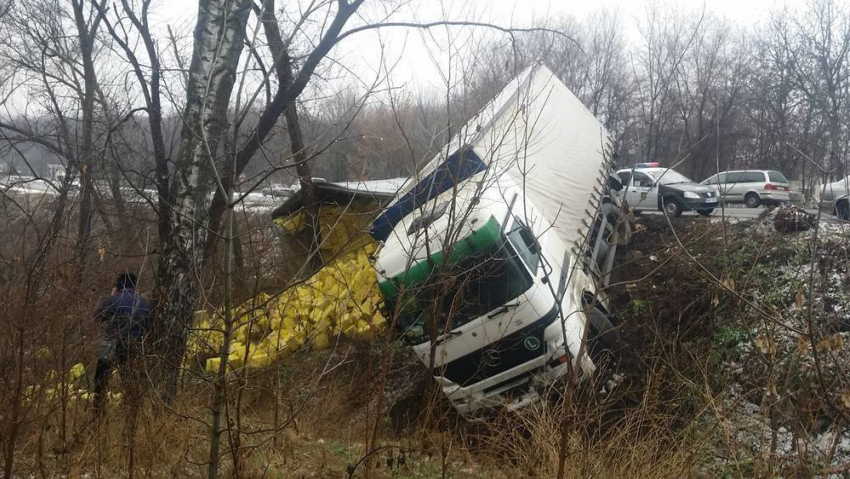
x,y
494,256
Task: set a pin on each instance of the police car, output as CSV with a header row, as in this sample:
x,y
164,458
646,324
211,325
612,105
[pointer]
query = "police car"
x,y
650,187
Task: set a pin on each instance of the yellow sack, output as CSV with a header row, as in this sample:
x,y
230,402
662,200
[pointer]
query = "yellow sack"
x,y
77,371
260,360
212,365
292,223
321,341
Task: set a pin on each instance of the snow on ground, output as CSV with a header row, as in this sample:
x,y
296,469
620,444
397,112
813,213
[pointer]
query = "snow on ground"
x,y
757,406
35,189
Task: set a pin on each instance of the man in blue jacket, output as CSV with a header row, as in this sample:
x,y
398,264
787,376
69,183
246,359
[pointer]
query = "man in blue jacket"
x,y
126,317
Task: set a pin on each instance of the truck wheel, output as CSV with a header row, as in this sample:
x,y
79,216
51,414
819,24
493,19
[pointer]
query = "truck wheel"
x,y
752,200
842,210
672,207
602,336
622,228
706,212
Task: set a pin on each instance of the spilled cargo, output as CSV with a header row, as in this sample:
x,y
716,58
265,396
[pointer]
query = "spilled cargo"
x,y
341,298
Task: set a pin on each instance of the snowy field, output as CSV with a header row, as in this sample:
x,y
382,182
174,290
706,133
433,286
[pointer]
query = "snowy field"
x,y
36,189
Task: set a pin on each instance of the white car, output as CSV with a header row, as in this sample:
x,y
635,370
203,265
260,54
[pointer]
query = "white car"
x,y
650,187
752,187
835,198
277,191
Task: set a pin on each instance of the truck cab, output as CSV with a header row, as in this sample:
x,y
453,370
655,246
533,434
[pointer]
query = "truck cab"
x,y
482,290
494,258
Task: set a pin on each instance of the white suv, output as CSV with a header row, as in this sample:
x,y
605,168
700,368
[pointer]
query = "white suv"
x,y
751,187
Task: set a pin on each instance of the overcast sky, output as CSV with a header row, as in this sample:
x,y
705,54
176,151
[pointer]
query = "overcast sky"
x,y
418,59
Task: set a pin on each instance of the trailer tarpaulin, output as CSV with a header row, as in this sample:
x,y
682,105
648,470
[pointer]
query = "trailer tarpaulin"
x,y
538,134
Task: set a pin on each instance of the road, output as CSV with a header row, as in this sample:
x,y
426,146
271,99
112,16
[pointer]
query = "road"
x,y
745,213
258,201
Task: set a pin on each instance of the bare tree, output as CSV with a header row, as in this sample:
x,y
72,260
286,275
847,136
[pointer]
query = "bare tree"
x,y
66,71
818,45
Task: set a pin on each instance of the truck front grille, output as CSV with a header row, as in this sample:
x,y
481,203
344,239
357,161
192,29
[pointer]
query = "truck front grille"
x,y
509,352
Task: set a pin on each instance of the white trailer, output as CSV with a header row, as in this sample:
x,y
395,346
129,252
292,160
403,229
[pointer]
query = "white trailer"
x,y
494,257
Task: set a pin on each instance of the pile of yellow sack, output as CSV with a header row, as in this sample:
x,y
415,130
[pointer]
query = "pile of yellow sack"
x,y
75,387
341,300
342,228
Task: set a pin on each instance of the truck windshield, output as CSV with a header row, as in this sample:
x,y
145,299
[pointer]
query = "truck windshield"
x,y
467,289
671,177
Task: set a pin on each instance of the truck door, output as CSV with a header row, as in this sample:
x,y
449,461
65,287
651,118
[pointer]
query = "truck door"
x,y
719,182
642,193
734,187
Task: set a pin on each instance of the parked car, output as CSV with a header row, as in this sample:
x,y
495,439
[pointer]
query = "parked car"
x,y
297,184
650,187
278,191
752,187
835,198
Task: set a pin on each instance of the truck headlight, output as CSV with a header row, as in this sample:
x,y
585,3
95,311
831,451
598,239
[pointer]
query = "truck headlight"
x,y
691,195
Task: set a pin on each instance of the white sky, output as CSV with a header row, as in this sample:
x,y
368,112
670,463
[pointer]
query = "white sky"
x,y
415,55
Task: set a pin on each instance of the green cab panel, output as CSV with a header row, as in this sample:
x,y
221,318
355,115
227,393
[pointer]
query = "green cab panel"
x,y
476,241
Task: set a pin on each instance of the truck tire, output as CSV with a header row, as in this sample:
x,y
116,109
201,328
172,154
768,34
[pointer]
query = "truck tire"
x,y
622,228
602,335
671,206
842,210
752,200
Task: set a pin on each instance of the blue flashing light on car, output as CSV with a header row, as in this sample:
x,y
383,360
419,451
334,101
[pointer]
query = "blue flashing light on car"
x,y
654,164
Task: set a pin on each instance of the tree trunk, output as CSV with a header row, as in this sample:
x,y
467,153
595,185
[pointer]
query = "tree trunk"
x,y
86,35
220,385
293,126
218,41
33,283
835,142
283,69
290,86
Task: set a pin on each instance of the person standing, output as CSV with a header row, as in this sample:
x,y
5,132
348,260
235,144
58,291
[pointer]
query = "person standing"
x,y
126,317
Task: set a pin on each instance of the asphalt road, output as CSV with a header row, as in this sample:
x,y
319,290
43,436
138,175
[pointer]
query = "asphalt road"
x,y
748,213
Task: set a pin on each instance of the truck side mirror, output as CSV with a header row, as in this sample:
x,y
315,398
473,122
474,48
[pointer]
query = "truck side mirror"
x,y
614,183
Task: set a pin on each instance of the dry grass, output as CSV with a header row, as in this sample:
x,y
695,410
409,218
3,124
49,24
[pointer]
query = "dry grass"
x,y
631,448
313,416
607,438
